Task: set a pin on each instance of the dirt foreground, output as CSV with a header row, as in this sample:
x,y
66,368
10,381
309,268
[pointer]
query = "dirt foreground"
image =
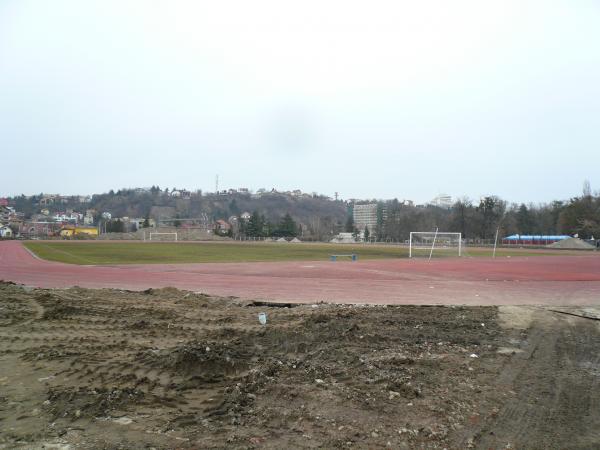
x,y
165,368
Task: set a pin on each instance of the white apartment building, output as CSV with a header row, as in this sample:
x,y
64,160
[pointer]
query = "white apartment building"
x,y
365,216
442,200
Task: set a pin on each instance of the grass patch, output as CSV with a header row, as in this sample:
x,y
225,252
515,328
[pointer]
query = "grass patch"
x,y
205,252
173,253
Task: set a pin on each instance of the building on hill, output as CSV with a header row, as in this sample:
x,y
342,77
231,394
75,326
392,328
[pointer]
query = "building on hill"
x,y
39,229
5,213
88,219
73,217
370,215
222,227
365,216
5,232
56,199
134,224
442,201
181,193
8,214
47,200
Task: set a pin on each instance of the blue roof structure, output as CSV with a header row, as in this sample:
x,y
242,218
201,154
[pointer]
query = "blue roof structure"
x,y
537,237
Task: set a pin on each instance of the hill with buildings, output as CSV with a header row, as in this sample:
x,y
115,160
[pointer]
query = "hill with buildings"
x,y
241,213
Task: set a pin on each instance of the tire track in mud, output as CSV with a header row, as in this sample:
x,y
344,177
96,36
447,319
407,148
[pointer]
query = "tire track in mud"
x,y
96,351
556,386
166,368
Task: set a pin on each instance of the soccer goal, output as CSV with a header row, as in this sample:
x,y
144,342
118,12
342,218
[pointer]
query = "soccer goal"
x,y
162,236
428,243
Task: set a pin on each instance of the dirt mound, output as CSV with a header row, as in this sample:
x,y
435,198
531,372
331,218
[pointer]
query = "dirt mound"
x,y
174,369
572,244
59,311
49,353
166,291
86,402
15,307
140,325
203,360
61,308
186,297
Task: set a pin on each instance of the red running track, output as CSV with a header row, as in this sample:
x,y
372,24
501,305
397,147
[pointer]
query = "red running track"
x,y
550,280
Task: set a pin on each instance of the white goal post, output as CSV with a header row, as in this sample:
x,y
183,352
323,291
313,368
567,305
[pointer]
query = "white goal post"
x,y
156,233
426,242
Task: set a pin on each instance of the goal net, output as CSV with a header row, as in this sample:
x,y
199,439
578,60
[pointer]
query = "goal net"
x,y
434,243
161,236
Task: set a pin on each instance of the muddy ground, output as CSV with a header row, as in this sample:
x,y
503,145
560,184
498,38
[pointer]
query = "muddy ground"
x,y
84,368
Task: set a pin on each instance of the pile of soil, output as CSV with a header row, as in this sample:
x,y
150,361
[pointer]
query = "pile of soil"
x,y
172,369
572,244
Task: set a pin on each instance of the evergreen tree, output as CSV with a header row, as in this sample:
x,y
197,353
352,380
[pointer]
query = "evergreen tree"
x,y
367,233
490,210
524,220
256,224
286,227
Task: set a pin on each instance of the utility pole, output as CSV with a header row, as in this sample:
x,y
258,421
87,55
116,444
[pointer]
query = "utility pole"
x,y
336,196
217,184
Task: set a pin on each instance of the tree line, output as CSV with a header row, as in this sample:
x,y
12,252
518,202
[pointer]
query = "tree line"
x,y
480,220
259,226
320,218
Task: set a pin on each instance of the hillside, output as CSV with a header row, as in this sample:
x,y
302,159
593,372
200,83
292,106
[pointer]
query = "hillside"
x,y
318,215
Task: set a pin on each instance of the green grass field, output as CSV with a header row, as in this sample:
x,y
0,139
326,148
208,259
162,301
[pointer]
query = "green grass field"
x,y
185,252
99,252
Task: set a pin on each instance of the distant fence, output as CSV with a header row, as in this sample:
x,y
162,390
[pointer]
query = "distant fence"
x,y
183,234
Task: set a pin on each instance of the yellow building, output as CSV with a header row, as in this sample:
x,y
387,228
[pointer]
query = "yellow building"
x,y
70,232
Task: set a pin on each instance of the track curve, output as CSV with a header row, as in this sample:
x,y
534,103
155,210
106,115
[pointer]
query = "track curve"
x,y
543,280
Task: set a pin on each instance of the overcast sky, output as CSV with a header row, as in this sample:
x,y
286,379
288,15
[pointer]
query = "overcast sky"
x,y
374,99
